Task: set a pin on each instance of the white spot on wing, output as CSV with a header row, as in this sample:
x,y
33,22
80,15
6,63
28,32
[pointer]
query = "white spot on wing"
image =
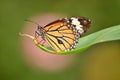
x,y
77,25
75,21
81,31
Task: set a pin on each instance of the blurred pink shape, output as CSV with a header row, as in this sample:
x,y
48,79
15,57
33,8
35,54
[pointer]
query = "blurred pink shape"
x,y
39,59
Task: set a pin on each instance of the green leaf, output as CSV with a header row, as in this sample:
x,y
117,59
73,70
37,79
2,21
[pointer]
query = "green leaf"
x,y
108,34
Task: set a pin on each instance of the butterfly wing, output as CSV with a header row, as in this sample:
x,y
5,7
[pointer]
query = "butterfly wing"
x,y
60,36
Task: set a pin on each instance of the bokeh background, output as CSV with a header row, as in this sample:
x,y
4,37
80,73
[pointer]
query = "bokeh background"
x,y
20,60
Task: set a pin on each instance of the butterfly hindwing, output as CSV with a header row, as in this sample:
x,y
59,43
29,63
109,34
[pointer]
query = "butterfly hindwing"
x,y
60,36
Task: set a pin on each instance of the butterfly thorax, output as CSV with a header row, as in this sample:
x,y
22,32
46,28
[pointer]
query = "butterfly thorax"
x,y
41,32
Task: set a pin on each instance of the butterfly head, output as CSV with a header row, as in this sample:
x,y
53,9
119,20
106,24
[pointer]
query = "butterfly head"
x,y
39,27
40,30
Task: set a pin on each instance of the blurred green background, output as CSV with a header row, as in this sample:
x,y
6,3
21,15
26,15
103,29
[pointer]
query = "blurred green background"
x,y
100,62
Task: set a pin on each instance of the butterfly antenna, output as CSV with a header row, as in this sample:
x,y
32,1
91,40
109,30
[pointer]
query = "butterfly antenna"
x,y
31,22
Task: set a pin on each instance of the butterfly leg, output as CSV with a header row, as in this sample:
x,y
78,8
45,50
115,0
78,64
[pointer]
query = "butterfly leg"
x,y
42,42
37,34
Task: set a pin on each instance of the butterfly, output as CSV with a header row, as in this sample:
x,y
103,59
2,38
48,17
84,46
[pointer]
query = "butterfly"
x,y
63,34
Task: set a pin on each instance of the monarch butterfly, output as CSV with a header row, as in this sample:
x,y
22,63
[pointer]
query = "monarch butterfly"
x,y
63,34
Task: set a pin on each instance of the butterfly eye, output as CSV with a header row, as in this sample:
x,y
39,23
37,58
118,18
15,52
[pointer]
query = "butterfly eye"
x,y
39,28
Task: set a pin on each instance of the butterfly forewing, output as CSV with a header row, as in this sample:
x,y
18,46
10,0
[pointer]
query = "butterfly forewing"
x,y
53,26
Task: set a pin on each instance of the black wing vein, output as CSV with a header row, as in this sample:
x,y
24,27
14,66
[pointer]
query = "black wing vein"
x,y
53,42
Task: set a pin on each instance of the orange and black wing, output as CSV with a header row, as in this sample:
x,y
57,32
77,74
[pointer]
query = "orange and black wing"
x,y
60,36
